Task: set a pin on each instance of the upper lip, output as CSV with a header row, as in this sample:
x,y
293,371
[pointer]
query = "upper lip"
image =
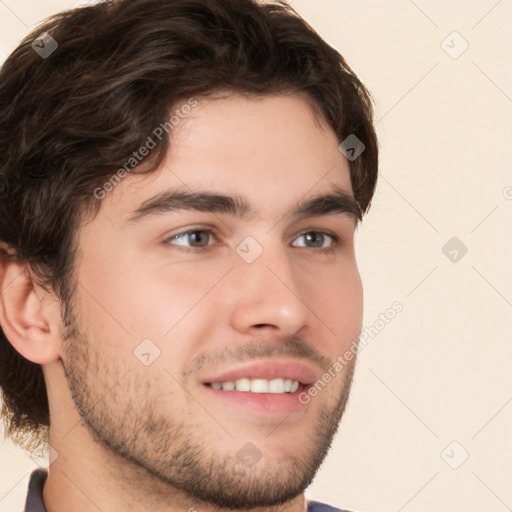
x,y
267,369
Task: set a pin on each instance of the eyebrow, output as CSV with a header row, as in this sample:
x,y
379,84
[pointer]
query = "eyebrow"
x,y
336,201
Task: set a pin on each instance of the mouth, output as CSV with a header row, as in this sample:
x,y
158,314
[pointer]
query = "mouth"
x,y
271,387
246,385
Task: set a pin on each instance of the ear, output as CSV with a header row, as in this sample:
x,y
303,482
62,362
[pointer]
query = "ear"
x,y
29,316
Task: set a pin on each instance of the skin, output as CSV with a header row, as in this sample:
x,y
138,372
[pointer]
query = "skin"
x,y
134,437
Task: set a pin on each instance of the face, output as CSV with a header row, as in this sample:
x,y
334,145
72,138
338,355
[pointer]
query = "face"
x,y
177,300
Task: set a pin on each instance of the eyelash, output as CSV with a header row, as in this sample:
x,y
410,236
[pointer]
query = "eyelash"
x,y
336,241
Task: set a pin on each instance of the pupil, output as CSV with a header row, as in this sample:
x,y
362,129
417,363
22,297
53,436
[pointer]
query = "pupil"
x,y
196,236
317,236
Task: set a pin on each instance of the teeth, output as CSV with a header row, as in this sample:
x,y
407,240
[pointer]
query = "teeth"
x,y
227,386
259,385
242,385
276,386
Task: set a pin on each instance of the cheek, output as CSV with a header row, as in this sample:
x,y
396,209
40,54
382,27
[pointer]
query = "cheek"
x,y
336,296
161,301
351,306
126,293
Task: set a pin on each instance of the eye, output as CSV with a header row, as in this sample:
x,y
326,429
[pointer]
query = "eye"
x,y
197,237
317,240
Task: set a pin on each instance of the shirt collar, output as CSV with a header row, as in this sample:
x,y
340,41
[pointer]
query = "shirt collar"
x,y
35,501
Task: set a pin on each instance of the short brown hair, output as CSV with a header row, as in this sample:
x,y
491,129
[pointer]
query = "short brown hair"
x,y
71,119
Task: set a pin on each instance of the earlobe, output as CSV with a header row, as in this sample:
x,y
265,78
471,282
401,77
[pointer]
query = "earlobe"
x,y
29,317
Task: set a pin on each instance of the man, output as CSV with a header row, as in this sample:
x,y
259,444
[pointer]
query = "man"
x,y
181,184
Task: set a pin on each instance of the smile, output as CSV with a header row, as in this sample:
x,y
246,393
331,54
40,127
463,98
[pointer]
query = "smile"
x,y
257,385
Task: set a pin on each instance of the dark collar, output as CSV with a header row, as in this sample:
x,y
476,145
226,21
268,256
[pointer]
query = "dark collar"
x,y
35,501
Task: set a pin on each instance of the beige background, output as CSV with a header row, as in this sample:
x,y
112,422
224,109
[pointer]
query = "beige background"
x,y
439,372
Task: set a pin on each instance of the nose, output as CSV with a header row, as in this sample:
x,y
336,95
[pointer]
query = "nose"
x,y
265,295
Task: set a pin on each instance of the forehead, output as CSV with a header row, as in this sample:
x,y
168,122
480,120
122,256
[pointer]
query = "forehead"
x,y
272,150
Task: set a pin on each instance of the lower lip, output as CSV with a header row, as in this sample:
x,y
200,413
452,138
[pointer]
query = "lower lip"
x,y
262,403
